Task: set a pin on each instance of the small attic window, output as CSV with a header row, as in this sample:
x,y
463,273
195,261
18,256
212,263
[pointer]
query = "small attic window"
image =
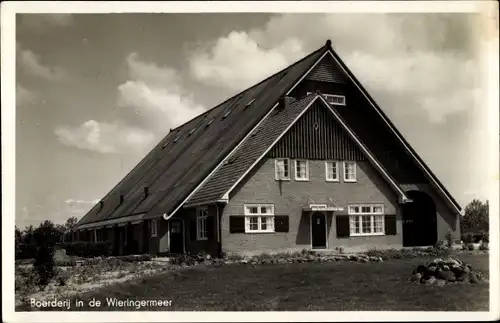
x,y
210,122
255,132
249,103
232,159
226,114
177,138
192,130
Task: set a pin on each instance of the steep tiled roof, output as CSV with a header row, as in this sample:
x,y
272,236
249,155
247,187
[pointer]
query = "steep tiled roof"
x,y
243,158
185,157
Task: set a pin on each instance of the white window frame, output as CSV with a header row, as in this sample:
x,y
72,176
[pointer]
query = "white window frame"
x,y
307,170
331,96
259,215
357,216
154,228
348,180
337,171
277,172
201,223
335,96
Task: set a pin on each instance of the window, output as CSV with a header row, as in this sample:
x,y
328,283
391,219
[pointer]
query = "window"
x,y
249,103
226,114
282,169
349,171
259,218
332,171
366,220
154,228
333,99
201,223
301,170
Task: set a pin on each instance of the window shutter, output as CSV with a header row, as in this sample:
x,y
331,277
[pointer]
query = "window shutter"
x,y
210,227
390,224
192,229
343,230
237,224
281,223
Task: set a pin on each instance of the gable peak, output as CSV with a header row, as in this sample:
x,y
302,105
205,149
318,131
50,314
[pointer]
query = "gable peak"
x,y
328,43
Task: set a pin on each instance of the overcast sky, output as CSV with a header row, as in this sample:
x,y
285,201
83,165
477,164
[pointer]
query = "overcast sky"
x,y
95,92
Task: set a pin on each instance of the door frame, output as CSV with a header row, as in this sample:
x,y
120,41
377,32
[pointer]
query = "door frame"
x,y
310,229
183,234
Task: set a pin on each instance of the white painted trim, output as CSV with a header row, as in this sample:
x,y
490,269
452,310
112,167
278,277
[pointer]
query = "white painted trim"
x,y
245,138
355,171
366,151
307,170
270,146
276,177
260,216
326,229
423,167
183,234
334,180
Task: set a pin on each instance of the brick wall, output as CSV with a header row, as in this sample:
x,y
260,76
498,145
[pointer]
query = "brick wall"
x,y
290,196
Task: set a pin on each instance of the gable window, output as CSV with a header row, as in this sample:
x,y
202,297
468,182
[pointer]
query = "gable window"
x,y
332,171
301,170
282,169
154,228
259,218
201,223
349,171
366,219
334,99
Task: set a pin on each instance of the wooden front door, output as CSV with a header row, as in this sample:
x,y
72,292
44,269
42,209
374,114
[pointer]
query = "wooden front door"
x,y
176,236
318,230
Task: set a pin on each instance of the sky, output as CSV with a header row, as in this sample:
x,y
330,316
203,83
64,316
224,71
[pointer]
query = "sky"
x,y
95,92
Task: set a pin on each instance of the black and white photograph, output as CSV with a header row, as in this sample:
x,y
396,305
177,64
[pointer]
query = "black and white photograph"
x,y
249,161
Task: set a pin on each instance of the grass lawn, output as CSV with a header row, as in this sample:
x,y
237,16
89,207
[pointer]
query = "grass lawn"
x,y
335,286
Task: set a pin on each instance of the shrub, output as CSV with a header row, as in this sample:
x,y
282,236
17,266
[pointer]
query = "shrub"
x,y
483,246
470,246
467,237
44,264
449,240
87,249
183,259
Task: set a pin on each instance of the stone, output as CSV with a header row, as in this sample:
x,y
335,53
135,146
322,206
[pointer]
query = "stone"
x,y
420,269
430,281
416,277
380,259
464,276
440,282
435,262
473,279
373,259
446,275
363,260
446,268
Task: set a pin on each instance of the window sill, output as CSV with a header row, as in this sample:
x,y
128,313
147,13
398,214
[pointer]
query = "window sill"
x,y
282,179
259,232
302,179
333,180
201,239
367,234
350,181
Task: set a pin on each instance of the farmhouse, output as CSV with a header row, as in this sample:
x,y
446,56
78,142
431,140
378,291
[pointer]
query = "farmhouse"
x,y
305,159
